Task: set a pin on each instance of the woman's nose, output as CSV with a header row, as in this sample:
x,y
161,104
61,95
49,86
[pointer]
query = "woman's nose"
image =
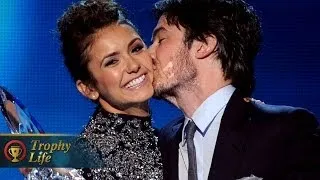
x,y
133,66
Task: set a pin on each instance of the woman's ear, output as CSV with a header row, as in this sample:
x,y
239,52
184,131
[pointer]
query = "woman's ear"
x,y
207,47
87,90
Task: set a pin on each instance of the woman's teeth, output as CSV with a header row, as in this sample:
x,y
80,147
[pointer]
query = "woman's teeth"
x,y
136,82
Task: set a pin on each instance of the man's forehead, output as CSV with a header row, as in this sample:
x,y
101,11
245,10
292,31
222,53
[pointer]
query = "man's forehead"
x,y
162,22
163,26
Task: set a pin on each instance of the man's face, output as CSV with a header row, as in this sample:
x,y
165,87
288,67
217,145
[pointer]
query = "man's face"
x,y
173,67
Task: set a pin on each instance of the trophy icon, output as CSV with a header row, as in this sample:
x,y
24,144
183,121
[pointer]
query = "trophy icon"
x,y
15,152
20,121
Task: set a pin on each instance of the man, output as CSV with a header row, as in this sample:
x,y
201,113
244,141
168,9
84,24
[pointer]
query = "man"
x,y
203,52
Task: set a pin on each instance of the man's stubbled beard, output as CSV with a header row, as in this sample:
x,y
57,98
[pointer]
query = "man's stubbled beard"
x,y
179,74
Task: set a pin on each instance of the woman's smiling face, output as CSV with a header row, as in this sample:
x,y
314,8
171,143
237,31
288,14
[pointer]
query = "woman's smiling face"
x,y
120,66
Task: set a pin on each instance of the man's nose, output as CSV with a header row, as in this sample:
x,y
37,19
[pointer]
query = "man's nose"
x,y
151,51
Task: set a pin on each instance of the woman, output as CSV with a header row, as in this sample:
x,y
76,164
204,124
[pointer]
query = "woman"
x,y
109,64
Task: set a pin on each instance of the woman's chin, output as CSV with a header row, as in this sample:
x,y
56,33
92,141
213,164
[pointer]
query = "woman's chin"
x,y
140,96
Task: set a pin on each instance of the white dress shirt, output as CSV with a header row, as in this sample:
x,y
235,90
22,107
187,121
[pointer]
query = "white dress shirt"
x,y
207,118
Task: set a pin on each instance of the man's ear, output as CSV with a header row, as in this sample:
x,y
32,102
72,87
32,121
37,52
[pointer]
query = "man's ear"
x,y
87,91
207,47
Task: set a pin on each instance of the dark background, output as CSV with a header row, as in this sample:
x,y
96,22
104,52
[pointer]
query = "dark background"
x,y
31,66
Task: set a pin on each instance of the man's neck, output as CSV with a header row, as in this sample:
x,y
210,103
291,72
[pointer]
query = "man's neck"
x,y
189,99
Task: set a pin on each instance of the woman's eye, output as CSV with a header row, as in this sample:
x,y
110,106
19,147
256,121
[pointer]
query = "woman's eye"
x,y
111,62
137,48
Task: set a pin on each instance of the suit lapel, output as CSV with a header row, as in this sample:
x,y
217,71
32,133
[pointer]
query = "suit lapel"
x,y
230,144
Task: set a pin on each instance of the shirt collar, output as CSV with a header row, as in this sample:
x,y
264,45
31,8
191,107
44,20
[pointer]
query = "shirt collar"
x,y
208,110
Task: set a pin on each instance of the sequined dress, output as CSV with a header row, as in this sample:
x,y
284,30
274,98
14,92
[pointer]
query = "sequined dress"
x,y
127,146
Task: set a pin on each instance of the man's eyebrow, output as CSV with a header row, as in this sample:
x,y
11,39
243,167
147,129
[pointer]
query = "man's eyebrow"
x,y
156,31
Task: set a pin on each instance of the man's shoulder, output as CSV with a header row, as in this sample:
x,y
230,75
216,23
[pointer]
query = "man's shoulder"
x,y
292,130
260,108
295,116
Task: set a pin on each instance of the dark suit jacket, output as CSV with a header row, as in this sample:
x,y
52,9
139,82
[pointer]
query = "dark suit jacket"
x,y
271,142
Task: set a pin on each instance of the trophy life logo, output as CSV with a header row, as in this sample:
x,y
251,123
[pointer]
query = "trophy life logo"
x,y
54,150
15,151
38,152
